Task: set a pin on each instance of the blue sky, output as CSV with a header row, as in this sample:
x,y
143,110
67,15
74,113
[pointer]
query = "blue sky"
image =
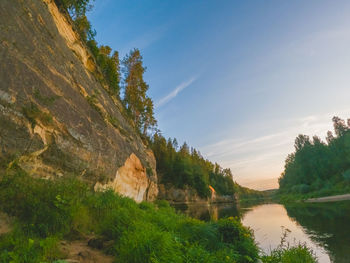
x,y
239,80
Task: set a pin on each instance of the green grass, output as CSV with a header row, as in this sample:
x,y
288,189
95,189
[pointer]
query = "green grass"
x,y
290,197
285,253
48,211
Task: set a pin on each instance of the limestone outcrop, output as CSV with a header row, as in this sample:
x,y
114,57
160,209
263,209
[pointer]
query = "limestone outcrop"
x,y
56,116
131,180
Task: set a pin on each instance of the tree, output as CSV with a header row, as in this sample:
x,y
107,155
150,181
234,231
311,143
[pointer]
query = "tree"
x,y
339,126
84,28
301,141
76,8
138,104
315,165
329,137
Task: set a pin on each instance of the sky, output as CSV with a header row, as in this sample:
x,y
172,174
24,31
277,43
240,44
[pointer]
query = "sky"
x,y
238,80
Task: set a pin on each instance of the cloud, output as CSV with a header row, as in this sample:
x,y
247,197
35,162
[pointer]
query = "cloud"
x,y
146,39
257,158
175,92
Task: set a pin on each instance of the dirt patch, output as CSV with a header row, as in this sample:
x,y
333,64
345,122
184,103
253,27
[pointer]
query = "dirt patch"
x,y
5,224
79,251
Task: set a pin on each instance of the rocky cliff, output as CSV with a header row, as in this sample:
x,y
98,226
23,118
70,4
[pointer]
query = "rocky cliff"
x,y
56,118
189,195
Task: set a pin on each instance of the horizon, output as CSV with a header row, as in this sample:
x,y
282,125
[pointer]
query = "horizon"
x,y
240,80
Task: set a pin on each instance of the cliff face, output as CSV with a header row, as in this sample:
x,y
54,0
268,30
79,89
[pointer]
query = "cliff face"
x,y
56,118
189,195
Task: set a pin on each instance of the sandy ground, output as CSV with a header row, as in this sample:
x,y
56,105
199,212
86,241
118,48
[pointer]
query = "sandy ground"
x,y
333,198
79,251
5,224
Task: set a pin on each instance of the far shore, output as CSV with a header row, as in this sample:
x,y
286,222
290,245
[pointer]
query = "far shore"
x,y
333,198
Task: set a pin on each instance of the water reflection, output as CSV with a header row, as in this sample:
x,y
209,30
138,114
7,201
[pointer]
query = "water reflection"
x,y
208,212
267,222
324,227
327,224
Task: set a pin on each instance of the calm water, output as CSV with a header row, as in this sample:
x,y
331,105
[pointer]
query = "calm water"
x,y
325,227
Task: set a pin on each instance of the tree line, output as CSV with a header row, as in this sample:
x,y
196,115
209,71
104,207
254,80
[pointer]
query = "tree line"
x,y
182,166
318,166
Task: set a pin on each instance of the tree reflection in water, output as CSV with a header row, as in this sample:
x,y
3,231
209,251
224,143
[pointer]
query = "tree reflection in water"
x,y
327,224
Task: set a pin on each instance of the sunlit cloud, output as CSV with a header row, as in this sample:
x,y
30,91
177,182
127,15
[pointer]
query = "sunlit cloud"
x,y
175,92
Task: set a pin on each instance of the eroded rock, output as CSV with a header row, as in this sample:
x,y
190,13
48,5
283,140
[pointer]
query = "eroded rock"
x,y
131,180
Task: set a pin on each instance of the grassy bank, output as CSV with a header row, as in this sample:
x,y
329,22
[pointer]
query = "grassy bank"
x,y
46,212
289,196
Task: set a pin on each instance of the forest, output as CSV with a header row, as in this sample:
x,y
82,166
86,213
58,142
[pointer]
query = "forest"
x,y
180,166
319,167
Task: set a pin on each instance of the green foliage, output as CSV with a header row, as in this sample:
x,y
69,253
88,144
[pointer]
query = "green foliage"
x,y
76,8
44,208
48,211
46,100
19,247
138,104
318,168
109,65
181,167
92,100
285,253
247,194
83,26
296,254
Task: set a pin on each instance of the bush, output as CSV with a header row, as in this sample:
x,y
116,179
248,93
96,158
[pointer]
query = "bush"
x,y
43,207
20,248
285,253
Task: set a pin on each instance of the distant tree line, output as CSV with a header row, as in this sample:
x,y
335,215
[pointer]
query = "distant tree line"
x,y
319,166
182,166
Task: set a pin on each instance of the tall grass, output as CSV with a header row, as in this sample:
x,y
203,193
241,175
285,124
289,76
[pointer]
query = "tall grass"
x,y
48,211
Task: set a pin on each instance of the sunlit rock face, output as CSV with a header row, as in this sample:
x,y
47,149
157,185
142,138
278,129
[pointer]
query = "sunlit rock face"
x,y
131,180
175,195
48,122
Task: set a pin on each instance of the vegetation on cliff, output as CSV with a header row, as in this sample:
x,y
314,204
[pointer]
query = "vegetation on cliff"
x,y
318,168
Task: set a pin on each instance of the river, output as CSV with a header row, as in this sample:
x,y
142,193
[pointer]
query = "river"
x,y
325,227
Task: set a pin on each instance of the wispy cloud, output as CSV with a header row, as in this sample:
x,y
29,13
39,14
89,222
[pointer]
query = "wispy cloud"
x,y
253,158
175,92
145,40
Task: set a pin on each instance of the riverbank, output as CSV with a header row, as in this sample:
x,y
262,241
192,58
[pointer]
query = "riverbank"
x,y
49,212
333,198
53,218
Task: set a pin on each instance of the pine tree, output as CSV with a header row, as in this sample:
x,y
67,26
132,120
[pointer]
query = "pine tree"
x,y
138,104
